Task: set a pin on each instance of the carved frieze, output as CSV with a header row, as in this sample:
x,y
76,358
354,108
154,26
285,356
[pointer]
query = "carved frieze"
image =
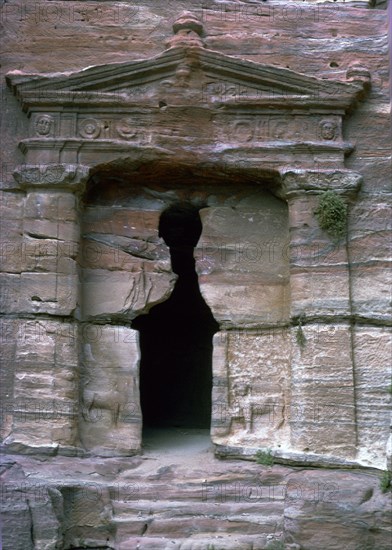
x,y
266,127
185,100
156,125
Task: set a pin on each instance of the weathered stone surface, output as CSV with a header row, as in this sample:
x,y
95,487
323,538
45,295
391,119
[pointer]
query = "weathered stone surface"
x,y
11,205
372,361
241,262
122,294
39,255
10,330
316,260
253,368
322,404
218,130
354,497
110,415
42,400
371,286
55,206
52,175
52,293
185,499
31,512
370,258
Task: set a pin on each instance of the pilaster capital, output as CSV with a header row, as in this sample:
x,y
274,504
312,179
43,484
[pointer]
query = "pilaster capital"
x,y
301,182
71,177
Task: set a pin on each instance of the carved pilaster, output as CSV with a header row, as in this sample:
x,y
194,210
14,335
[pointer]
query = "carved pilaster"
x,y
322,383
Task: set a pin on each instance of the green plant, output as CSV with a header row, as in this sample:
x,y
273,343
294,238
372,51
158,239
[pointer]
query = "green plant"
x,y
385,481
275,545
300,337
265,457
332,214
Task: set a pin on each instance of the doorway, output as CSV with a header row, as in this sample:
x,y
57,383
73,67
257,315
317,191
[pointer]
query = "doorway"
x,y
176,335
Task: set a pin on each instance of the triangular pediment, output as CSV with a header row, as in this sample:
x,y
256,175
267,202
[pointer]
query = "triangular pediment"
x,y
189,73
187,98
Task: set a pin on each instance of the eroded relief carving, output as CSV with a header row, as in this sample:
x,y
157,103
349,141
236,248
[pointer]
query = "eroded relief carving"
x,y
328,130
259,128
126,128
90,128
242,406
44,125
243,131
51,174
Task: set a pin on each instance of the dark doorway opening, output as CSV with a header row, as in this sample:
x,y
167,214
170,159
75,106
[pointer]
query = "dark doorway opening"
x,y
176,336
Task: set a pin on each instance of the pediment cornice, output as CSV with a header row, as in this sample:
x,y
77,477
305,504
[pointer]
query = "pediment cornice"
x,y
187,98
187,73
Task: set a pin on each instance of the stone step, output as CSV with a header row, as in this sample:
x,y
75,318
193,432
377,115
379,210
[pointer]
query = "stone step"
x,y
212,542
174,520
211,507
187,526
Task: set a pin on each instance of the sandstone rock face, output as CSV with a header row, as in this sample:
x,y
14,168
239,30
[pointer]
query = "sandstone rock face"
x,y
111,418
251,404
189,501
248,111
45,385
242,262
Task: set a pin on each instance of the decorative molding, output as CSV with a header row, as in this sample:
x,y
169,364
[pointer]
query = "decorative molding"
x,y
49,175
185,72
296,182
189,103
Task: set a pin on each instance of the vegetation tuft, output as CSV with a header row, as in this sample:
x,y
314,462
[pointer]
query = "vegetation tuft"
x,y
300,337
385,481
265,458
275,545
332,214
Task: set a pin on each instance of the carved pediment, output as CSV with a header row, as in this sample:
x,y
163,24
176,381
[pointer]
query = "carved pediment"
x,y
186,95
186,73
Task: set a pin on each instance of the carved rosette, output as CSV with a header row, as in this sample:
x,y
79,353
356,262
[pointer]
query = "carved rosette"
x,y
90,128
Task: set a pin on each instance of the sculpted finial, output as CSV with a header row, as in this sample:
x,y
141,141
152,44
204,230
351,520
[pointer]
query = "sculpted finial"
x,y
188,30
